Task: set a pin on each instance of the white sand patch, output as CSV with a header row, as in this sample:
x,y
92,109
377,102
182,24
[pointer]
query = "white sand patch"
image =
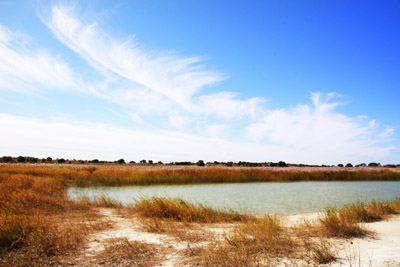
x,y
382,250
296,219
129,229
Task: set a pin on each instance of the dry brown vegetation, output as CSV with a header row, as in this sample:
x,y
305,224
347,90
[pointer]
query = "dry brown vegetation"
x,y
181,210
37,222
86,175
122,252
39,226
344,222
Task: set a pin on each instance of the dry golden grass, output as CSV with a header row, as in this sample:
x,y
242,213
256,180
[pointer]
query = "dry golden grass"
x,y
344,222
32,228
264,242
87,175
100,201
181,210
122,252
182,231
334,224
38,224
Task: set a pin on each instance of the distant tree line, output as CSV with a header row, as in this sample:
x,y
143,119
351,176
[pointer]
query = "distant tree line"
x,y
28,159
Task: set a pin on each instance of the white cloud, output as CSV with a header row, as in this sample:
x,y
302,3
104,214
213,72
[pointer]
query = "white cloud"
x,y
319,130
214,130
165,81
174,77
76,139
227,105
88,140
28,71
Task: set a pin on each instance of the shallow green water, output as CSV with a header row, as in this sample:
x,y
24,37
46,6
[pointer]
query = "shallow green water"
x,y
257,197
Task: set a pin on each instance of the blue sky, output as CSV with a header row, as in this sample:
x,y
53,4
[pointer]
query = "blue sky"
x,y
300,81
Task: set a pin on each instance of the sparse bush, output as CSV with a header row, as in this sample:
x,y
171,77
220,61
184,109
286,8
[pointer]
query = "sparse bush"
x,y
61,160
282,164
200,163
6,159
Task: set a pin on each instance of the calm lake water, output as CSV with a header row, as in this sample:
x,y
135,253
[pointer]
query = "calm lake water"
x,y
268,197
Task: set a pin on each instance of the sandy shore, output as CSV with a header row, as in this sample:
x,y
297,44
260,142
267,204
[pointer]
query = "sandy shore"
x,y
382,249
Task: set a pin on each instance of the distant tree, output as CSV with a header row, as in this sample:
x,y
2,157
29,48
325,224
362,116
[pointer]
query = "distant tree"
x,y
49,159
200,163
150,161
121,161
390,166
159,162
61,160
361,165
229,164
340,165
143,161
282,164
349,165
184,163
43,160
21,159
94,161
132,161
32,159
374,164
6,159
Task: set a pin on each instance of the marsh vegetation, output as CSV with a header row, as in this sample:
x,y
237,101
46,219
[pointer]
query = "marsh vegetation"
x,y
40,226
116,175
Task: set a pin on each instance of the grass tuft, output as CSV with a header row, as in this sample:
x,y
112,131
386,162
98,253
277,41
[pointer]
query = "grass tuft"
x,y
122,252
181,210
336,223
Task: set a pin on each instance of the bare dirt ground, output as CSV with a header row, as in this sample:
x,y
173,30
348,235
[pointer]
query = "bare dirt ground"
x,y
382,249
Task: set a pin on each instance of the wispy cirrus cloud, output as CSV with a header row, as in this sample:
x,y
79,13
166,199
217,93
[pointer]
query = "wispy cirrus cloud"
x,y
28,71
165,80
176,78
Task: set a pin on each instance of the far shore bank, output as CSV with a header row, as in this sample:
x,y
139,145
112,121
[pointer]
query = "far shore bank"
x,y
125,174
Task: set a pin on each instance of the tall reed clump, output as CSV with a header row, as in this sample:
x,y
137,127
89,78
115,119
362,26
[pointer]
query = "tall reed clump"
x,y
28,234
344,222
335,223
181,210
